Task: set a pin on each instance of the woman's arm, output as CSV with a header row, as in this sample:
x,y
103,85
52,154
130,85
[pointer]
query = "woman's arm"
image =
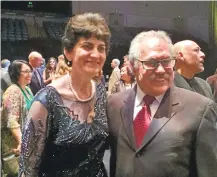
x,y
46,81
33,141
12,105
16,133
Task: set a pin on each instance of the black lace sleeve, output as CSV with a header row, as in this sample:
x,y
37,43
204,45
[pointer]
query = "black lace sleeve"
x,y
33,140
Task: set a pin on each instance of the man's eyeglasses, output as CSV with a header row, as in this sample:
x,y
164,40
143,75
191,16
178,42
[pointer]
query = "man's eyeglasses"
x,y
153,64
27,71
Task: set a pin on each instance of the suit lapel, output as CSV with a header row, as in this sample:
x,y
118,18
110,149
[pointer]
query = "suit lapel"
x,y
127,116
163,115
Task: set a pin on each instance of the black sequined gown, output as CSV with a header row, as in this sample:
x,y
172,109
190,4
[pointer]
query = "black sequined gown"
x,y
58,146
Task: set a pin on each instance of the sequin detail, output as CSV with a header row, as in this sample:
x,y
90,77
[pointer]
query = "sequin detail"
x,y
65,147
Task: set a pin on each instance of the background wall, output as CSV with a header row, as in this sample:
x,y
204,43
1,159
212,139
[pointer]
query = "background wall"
x,y
191,17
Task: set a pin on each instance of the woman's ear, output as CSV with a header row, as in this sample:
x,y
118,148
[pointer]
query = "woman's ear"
x,y
67,57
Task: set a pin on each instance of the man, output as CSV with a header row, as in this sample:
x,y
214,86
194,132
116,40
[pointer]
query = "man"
x,y
5,80
189,62
5,64
37,83
115,76
156,129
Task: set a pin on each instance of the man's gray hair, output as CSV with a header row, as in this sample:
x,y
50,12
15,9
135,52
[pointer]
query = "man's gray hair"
x,y
134,51
117,61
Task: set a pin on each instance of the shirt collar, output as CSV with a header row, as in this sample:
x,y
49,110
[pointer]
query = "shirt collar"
x,y
140,94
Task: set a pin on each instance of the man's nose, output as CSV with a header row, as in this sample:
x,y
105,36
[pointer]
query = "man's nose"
x,y
159,69
202,55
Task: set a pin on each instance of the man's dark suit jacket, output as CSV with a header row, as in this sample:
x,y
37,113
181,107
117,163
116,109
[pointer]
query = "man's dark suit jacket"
x,y
180,142
5,81
201,86
35,83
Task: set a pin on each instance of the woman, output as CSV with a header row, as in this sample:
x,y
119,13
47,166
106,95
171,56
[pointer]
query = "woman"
x,y
127,80
67,128
49,72
16,103
61,69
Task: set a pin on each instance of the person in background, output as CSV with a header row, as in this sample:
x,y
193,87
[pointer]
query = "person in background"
x,y
16,102
157,129
49,72
37,82
126,60
99,78
5,64
61,57
43,66
189,62
61,69
69,115
127,80
115,75
212,81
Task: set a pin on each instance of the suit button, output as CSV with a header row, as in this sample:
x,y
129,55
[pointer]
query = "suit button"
x,y
138,154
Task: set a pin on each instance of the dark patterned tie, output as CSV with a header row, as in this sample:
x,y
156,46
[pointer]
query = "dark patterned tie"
x,y
143,120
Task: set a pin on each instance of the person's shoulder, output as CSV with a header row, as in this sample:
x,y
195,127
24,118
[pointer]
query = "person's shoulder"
x,y
46,95
190,97
13,88
119,97
12,91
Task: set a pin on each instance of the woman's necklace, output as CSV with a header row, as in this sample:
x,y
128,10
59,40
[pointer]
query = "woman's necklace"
x,y
75,93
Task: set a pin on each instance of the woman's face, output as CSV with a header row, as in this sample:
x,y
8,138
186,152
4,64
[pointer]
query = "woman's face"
x,y
25,75
124,74
88,56
52,63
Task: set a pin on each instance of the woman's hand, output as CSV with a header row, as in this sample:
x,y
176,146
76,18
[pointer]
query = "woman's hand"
x,y
17,150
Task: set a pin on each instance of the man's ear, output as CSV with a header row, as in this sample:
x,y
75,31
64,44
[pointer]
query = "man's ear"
x,y
180,56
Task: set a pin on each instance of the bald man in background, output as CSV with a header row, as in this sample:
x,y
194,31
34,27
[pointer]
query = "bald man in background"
x,y
189,62
37,83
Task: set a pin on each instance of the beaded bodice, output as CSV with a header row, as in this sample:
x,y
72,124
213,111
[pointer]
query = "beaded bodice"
x,y
61,145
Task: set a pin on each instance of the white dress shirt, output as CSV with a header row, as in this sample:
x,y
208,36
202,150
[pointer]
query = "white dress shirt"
x,y
139,103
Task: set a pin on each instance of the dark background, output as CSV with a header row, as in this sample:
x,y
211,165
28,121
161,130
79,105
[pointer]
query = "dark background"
x,y
60,7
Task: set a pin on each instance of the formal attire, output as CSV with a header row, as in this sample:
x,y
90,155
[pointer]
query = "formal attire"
x,y
195,84
180,141
115,77
5,81
15,104
61,146
37,82
212,81
121,86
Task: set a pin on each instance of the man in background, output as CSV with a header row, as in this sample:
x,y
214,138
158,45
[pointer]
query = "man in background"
x,y
189,62
115,75
5,64
37,83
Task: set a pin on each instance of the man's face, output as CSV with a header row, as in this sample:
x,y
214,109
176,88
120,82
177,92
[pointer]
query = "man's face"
x,y
156,81
36,62
113,64
193,57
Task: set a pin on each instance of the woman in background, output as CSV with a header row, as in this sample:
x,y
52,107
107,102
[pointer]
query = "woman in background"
x,y
127,80
67,129
61,69
16,103
49,72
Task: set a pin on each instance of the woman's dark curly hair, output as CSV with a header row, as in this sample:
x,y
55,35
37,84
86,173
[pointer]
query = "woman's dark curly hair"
x,y
85,25
14,69
129,73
